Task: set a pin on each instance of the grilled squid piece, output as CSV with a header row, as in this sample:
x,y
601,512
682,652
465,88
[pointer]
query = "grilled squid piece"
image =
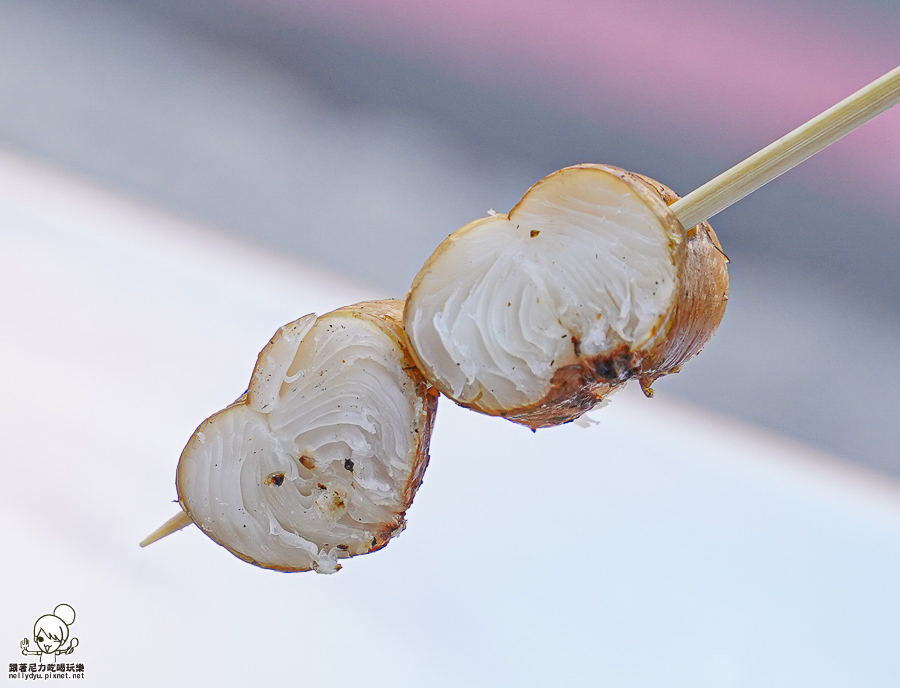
x,y
321,457
588,282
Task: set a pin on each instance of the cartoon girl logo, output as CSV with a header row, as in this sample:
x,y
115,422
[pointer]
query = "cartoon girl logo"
x,y
51,632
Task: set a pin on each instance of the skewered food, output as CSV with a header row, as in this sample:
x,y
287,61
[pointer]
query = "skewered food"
x,y
537,316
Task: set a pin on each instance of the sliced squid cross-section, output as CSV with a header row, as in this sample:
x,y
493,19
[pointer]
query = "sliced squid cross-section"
x,y
588,282
322,456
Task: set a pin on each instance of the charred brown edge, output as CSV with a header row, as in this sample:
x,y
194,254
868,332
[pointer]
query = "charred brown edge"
x,y
700,302
577,388
387,315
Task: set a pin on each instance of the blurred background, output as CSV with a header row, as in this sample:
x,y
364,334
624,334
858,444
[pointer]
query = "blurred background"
x,y
179,178
356,135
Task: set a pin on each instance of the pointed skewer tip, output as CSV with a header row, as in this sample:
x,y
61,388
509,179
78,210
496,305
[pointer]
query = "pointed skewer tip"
x,y
176,523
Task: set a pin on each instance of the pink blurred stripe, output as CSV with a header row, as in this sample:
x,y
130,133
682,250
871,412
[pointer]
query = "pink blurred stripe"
x,y
731,76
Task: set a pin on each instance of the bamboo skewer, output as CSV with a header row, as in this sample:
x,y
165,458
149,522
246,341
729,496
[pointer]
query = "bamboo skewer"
x,y
174,524
742,179
788,151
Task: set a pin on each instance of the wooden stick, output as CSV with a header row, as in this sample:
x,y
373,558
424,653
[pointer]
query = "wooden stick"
x,y
174,524
791,149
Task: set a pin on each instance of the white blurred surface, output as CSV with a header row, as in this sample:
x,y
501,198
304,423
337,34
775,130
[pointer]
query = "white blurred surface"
x,y
661,547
